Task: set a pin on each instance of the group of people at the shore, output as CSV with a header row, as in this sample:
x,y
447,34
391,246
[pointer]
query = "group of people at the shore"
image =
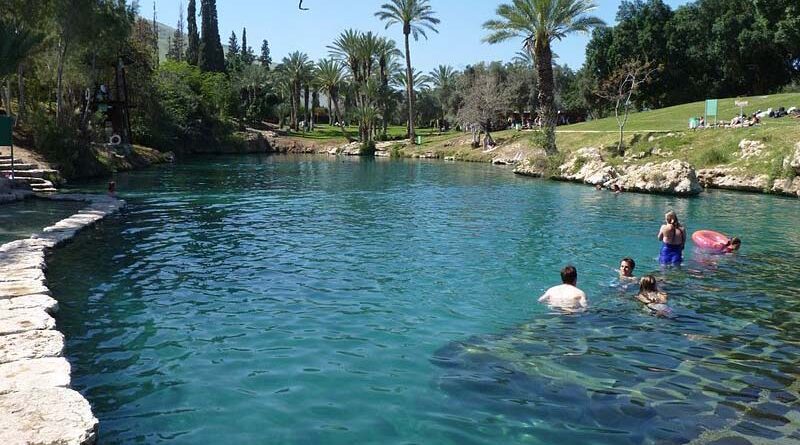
x,y
568,297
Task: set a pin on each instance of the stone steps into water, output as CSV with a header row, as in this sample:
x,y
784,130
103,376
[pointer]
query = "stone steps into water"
x,y
18,166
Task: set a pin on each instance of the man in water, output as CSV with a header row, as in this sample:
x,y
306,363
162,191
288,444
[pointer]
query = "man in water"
x,y
626,267
566,296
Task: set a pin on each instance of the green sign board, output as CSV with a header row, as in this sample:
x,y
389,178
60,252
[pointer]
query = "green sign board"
x,y
6,125
711,108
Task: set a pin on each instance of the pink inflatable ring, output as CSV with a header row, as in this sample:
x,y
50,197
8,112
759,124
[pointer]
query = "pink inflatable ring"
x,y
711,241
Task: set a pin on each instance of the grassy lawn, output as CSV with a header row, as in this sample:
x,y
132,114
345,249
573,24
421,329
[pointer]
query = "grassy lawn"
x,y
677,117
664,132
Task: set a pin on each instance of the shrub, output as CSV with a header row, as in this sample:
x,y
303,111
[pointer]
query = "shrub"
x,y
367,148
714,156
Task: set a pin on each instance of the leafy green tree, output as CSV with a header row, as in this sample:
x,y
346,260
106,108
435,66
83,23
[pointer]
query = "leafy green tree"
x,y
415,16
211,57
193,45
16,45
539,23
233,60
265,59
443,78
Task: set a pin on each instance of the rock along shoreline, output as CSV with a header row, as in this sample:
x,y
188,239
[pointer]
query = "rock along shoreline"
x,y
37,403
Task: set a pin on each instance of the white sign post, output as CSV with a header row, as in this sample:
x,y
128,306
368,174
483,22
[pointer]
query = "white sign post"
x,y
741,104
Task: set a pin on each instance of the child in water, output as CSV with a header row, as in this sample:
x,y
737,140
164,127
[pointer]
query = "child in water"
x,y
654,300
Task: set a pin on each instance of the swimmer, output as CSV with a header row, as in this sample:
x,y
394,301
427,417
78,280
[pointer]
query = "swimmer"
x,y
566,296
626,267
673,236
650,296
733,245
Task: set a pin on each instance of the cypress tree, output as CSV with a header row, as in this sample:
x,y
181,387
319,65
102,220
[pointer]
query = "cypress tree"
x,y
178,43
233,46
211,57
265,58
193,48
247,53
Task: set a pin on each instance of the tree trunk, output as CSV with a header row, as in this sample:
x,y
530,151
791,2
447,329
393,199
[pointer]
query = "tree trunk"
x,y
544,68
409,85
306,115
21,92
7,96
62,54
339,115
330,110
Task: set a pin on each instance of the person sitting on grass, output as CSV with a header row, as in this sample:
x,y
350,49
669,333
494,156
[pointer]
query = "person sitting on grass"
x,y
652,298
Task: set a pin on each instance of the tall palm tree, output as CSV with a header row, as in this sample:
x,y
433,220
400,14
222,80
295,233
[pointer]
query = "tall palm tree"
x,y
539,23
387,51
294,67
443,78
329,77
415,16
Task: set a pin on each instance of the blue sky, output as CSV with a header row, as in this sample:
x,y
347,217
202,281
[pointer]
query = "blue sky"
x,y
458,42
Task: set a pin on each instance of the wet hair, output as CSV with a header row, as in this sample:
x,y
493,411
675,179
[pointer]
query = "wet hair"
x,y
736,243
569,275
647,284
672,219
630,261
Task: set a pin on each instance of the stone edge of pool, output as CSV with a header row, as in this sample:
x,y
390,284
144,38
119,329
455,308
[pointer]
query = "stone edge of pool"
x,y
36,399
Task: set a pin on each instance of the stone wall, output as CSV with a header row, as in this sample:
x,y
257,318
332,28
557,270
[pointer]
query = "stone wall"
x,y
36,401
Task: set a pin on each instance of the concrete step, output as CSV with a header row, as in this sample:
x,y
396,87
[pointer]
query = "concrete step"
x,y
35,173
30,180
17,166
5,158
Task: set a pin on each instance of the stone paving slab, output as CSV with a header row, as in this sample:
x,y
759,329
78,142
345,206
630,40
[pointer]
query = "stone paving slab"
x,y
31,344
37,301
46,416
22,320
11,289
31,274
49,372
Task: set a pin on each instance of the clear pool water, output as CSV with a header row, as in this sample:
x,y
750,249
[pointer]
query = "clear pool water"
x,y
308,300
22,219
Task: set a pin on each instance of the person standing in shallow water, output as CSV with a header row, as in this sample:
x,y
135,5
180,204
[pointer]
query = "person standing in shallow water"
x,y
566,296
673,238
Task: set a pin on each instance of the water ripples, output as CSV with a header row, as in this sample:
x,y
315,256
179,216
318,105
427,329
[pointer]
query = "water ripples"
x,y
300,300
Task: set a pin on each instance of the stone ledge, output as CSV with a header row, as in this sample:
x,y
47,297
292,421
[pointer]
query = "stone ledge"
x,y
33,375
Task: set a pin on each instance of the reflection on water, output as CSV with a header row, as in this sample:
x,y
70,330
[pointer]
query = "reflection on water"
x,y
23,218
306,300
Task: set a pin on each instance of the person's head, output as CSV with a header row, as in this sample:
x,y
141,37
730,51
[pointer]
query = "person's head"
x,y
672,219
648,284
734,244
626,267
569,275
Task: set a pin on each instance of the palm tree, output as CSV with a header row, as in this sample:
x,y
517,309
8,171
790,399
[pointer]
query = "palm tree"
x,y
415,16
443,79
329,77
387,51
294,67
16,44
539,23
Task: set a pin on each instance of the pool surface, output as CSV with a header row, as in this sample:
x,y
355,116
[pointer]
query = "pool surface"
x,y
310,300
22,219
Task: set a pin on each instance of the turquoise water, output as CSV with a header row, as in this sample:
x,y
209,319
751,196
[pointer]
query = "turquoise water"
x,y
305,300
22,219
